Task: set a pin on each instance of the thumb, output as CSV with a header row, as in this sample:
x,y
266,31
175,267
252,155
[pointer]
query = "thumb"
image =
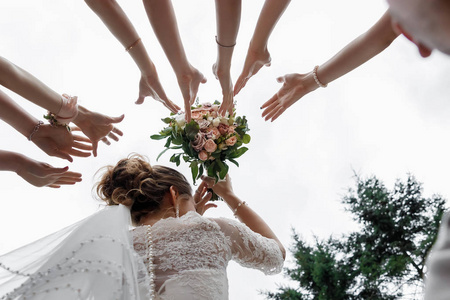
x,y
58,170
140,100
117,119
280,79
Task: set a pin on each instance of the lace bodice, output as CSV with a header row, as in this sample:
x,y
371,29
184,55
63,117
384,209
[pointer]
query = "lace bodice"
x,y
190,254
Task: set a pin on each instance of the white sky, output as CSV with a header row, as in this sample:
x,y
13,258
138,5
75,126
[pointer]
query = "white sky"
x,y
387,118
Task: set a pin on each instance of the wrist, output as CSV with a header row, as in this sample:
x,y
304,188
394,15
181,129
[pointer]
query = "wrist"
x,y
81,116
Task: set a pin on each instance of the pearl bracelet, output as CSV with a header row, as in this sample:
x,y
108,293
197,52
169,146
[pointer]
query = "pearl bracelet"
x,y
36,128
316,79
237,207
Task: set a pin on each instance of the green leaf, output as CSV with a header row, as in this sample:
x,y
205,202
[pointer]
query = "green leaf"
x,y
246,139
178,140
169,140
191,130
157,137
186,158
194,170
162,152
233,161
200,172
167,120
238,152
223,169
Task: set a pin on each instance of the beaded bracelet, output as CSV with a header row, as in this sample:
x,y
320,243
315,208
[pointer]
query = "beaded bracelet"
x,y
36,128
316,79
51,118
237,207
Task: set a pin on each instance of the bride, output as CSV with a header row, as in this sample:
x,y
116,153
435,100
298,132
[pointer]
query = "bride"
x,y
171,252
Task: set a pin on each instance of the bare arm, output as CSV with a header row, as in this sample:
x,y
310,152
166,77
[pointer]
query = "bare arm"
x,y
162,18
121,27
243,212
228,18
356,53
257,54
35,172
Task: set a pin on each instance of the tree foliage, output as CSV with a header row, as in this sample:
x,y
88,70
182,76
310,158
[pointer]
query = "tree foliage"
x,y
382,259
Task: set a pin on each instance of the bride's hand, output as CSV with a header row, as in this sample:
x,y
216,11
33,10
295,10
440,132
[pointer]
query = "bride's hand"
x,y
295,86
201,198
222,188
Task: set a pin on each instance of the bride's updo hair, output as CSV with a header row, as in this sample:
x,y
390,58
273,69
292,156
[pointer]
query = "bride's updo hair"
x,y
133,182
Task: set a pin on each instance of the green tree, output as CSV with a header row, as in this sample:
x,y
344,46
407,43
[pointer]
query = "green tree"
x,y
382,260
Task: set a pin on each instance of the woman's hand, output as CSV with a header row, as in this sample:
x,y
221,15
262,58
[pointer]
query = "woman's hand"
x,y
189,84
149,86
201,198
57,141
295,86
42,174
253,63
222,188
97,127
224,77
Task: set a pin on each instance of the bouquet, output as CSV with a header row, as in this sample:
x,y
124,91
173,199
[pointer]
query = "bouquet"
x,y
207,142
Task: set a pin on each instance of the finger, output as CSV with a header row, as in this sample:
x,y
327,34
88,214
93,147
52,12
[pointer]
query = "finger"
x,y
171,106
270,101
78,153
204,199
94,148
272,113
140,100
105,140
82,146
75,128
187,115
117,131
54,186
62,155
72,174
208,206
69,178
80,138
270,108
113,136
281,79
55,171
63,182
117,119
278,113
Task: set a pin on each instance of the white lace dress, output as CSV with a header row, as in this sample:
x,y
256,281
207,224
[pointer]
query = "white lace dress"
x,y
98,259
188,256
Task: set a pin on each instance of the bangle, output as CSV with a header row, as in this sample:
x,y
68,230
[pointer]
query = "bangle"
x,y
224,46
237,207
316,79
36,128
132,45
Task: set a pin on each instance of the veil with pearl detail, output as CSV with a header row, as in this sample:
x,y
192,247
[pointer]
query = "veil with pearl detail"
x,y
92,259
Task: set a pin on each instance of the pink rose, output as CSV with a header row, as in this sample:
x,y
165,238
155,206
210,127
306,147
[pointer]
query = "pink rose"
x,y
210,146
202,123
231,140
199,142
223,128
213,132
203,155
196,115
231,129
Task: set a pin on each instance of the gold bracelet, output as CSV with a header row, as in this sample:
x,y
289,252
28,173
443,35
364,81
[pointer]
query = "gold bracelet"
x,y
237,207
316,79
132,45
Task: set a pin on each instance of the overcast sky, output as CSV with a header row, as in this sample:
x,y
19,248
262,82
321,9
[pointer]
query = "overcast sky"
x,y
388,118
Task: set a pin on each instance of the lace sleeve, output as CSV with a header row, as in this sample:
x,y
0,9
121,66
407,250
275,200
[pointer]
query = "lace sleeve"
x,y
250,249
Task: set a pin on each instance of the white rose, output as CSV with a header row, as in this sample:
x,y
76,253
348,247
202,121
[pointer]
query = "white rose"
x,y
180,119
216,122
224,121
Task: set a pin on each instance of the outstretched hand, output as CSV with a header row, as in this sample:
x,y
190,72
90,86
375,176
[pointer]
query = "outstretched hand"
x,y
201,198
253,63
293,89
149,86
189,84
97,127
57,141
226,83
42,174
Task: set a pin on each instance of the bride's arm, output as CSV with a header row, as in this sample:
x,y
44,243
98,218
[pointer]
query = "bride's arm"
x,y
360,50
244,213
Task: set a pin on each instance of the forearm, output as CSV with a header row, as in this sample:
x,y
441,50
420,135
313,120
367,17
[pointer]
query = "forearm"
x,y
250,218
359,51
268,18
10,161
228,17
162,18
16,116
26,85
121,27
